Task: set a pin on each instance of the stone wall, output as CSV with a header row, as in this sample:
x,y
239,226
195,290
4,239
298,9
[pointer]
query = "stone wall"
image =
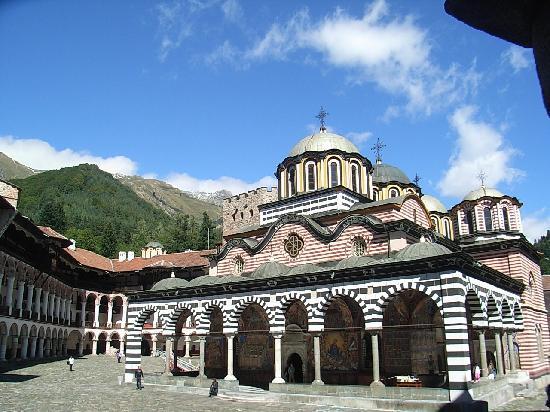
x,y
9,192
242,211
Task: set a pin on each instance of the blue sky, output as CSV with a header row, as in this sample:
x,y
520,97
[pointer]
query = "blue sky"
x,y
212,94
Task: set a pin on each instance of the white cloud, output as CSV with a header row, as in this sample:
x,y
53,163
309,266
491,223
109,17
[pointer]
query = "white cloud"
x,y
226,54
40,155
392,52
174,26
480,146
189,183
232,11
359,137
517,57
536,224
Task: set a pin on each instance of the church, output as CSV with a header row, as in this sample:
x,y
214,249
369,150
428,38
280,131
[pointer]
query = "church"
x,y
347,274
343,279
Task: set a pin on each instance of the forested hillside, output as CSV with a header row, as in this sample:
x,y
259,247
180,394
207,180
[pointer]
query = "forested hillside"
x,y
105,216
543,245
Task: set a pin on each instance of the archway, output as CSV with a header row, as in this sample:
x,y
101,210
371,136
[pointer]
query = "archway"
x,y
342,344
102,343
103,310
74,342
215,359
88,343
413,340
296,341
146,344
90,310
294,369
133,343
13,342
115,341
254,348
118,302
475,319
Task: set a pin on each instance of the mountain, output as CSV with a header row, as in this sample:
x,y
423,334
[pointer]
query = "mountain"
x,y
92,207
215,198
11,169
170,199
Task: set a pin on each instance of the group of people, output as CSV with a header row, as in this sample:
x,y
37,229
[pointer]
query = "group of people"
x,y
492,372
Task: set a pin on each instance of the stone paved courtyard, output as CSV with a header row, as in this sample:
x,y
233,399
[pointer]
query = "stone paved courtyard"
x,y
94,386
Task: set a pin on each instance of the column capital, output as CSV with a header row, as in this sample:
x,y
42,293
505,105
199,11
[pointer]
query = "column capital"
x,y
277,334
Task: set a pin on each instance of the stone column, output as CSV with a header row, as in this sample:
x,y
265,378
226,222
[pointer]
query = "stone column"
x,y
94,346
202,348
511,352
83,313
110,314
483,354
278,372
187,346
9,293
53,346
57,306
51,307
65,341
317,356
107,345
47,347
37,302
154,349
96,314
169,341
24,346
230,376
3,347
124,314
500,363
80,347
14,346
375,361
20,294
40,353
155,319
30,293
33,347
62,310
45,302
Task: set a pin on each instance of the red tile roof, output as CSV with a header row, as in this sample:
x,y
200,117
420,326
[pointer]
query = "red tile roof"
x,y
172,260
51,233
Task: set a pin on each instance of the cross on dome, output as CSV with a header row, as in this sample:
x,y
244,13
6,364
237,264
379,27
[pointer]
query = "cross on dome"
x,y
377,148
482,176
416,179
322,116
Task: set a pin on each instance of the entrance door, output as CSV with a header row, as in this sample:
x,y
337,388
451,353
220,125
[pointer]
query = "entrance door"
x,y
295,369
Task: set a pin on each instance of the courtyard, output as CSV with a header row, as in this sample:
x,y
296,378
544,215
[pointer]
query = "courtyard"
x,y
93,385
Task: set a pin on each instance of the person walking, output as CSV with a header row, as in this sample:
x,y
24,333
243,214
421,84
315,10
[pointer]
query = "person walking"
x,y
70,362
213,388
118,355
477,373
139,376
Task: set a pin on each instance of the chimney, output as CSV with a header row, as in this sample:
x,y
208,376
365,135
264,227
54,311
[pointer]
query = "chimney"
x,y
130,255
73,244
121,256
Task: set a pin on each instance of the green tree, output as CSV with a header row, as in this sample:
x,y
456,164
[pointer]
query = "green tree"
x,y
52,214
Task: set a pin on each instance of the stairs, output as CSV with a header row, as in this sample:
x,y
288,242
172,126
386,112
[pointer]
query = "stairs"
x,y
183,364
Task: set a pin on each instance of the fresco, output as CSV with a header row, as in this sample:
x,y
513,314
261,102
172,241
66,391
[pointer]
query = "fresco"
x,y
215,350
340,350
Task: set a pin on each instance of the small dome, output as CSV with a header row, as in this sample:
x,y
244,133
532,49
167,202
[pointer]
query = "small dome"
x,y
170,283
305,269
154,245
269,269
421,250
482,192
322,141
384,173
354,261
433,204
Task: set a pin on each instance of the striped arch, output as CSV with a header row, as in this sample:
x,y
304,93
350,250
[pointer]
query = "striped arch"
x,y
233,323
479,317
133,342
375,321
142,316
507,314
318,321
203,320
493,312
286,301
169,327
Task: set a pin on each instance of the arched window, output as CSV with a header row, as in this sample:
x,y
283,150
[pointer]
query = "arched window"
x,y
505,218
334,173
239,265
355,178
311,176
374,194
393,192
470,222
359,246
540,348
434,224
291,181
414,215
488,218
447,227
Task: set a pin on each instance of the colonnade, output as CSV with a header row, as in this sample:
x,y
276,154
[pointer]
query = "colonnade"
x,y
508,338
